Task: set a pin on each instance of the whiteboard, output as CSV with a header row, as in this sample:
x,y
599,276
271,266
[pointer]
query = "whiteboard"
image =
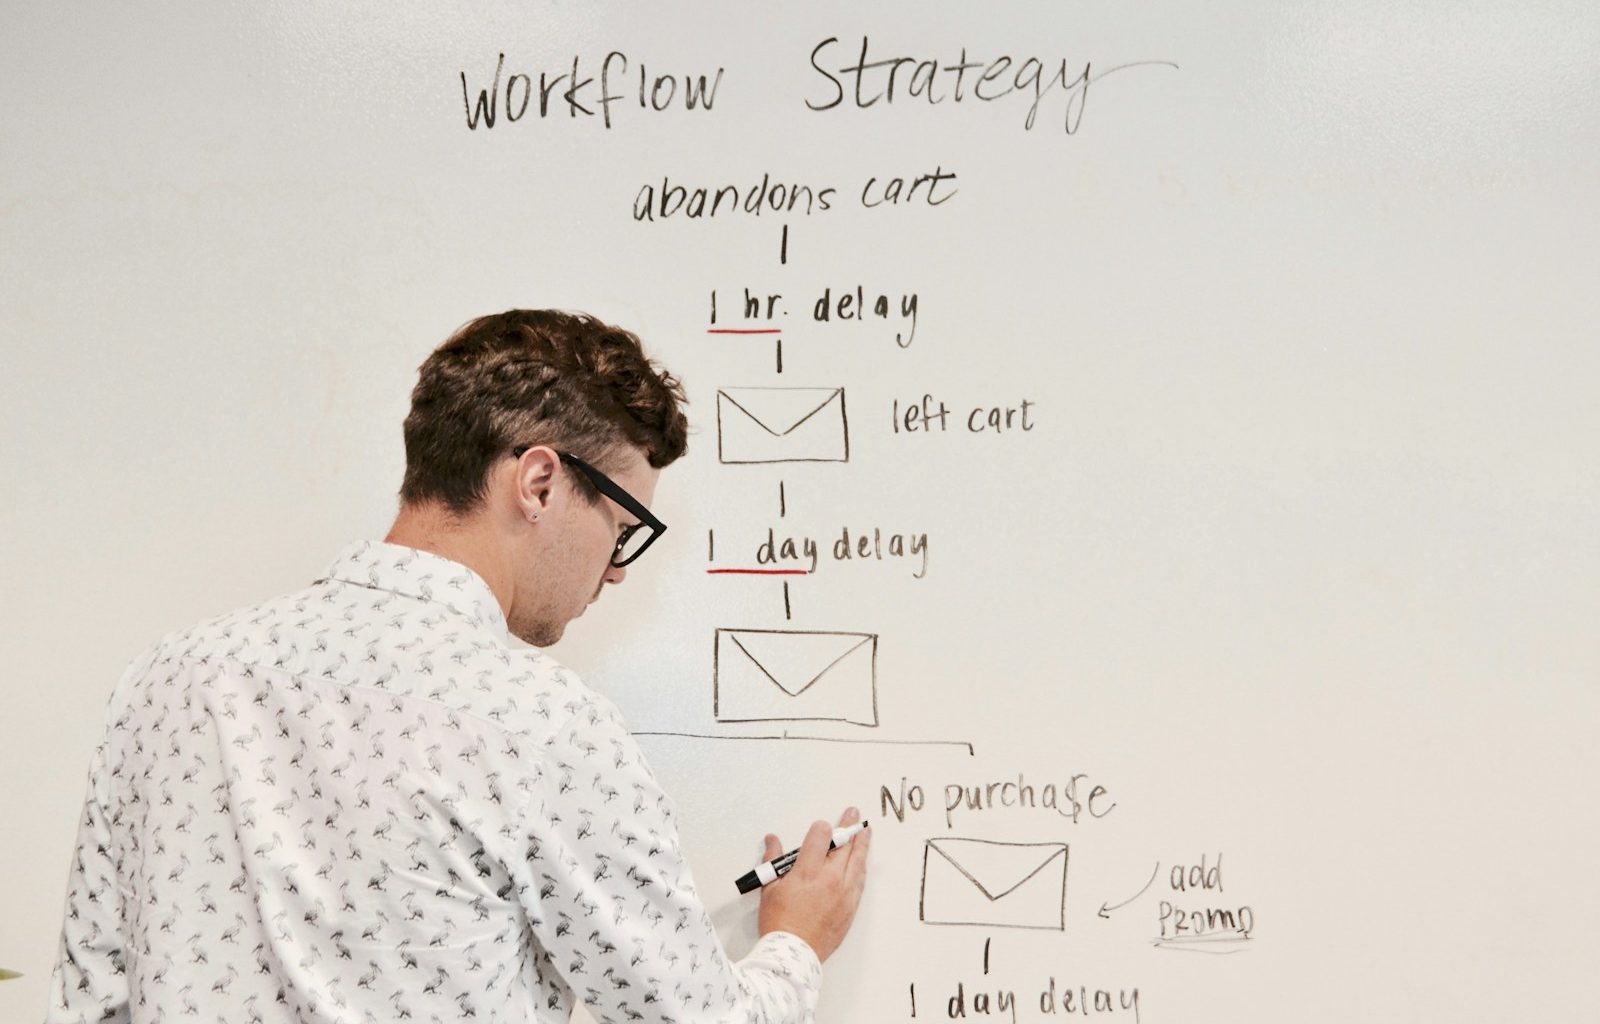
x,y
1178,441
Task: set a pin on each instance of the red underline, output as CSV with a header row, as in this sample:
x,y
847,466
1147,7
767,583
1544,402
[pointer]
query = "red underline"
x,y
760,572
735,330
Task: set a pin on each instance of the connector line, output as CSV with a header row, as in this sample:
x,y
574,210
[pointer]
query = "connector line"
x,y
759,572
970,749
744,330
1106,909
787,614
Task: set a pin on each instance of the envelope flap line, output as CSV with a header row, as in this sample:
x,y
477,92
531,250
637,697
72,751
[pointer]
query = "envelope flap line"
x,y
791,427
786,688
986,890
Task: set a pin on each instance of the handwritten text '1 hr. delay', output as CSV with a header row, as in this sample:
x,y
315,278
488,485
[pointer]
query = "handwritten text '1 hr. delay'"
x,y
846,305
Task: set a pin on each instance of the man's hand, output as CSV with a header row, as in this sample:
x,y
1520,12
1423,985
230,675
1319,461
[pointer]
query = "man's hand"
x,y
817,899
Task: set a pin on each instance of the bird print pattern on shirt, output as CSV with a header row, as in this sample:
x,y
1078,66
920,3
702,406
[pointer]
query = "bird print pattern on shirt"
x,y
358,803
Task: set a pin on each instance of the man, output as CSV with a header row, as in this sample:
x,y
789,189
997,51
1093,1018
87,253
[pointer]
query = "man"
x,y
358,803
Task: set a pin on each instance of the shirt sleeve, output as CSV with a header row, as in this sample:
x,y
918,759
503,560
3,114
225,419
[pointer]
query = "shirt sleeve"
x,y
89,982
613,907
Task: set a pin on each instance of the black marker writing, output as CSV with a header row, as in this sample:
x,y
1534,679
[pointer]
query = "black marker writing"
x,y
930,80
582,95
698,201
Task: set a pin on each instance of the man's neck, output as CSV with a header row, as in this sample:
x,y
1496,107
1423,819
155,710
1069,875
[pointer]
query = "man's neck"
x,y
468,540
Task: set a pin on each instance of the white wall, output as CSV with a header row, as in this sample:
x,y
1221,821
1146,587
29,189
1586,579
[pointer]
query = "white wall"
x,y
1298,561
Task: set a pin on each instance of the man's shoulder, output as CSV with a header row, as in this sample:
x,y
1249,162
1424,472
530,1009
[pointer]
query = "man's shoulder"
x,y
214,637
394,647
546,697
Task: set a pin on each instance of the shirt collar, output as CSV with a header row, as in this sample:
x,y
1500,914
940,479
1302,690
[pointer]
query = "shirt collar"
x,y
422,575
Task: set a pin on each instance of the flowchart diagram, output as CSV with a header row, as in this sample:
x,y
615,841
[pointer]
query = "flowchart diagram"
x,y
773,681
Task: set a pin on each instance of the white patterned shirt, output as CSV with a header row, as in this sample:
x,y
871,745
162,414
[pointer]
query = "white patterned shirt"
x,y
358,803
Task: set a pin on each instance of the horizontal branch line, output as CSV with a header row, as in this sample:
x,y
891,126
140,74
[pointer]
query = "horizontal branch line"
x,y
971,751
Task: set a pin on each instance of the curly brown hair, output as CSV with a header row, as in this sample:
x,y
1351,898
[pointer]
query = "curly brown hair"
x,y
534,376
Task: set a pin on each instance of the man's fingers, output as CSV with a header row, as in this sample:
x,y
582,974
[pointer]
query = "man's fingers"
x,y
855,866
773,847
815,847
851,816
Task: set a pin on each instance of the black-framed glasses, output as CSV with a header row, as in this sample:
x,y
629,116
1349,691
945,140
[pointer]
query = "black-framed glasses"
x,y
636,536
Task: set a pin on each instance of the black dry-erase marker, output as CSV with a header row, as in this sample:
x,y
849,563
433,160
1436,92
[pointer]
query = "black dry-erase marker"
x,y
775,869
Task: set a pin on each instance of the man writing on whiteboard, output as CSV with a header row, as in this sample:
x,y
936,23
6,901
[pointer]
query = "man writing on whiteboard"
x,y
358,802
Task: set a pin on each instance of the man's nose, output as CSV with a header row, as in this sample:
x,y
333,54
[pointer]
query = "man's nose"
x,y
615,574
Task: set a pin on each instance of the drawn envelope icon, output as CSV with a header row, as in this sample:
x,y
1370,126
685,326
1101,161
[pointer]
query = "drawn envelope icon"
x,y
782,425
999,885
780,675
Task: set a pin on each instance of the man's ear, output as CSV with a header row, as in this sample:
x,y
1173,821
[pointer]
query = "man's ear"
x,y
534,481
